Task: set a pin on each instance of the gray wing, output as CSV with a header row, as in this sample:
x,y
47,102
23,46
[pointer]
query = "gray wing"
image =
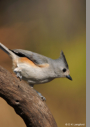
x,y
34,57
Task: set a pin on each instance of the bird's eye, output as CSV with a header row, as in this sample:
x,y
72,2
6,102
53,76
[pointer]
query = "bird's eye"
x,y
64,70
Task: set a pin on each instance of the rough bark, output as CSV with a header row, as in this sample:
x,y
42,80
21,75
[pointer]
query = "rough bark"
x,y
25,101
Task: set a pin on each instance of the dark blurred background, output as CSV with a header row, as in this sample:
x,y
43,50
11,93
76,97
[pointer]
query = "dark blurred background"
x,y
47,27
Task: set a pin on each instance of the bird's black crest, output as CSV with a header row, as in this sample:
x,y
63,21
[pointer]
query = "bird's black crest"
x,y
63,57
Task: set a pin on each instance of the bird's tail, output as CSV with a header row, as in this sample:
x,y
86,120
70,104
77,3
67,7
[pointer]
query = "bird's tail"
x,y
5,49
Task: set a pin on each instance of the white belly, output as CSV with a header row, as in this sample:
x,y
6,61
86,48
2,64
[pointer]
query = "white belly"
x,y
34,75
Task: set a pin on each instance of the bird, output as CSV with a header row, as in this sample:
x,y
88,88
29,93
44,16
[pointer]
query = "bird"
x,y
36,68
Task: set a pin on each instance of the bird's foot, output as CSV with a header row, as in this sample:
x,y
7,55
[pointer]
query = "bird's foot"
x,y
42,97
18,73
19,76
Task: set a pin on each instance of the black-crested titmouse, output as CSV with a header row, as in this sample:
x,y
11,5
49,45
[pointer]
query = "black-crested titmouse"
x,y
35,68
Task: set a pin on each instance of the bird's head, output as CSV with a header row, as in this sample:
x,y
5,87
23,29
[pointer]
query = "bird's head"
x,y
63,69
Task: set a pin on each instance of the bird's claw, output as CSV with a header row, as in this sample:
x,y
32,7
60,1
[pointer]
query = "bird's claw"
x,y
42,97
19,76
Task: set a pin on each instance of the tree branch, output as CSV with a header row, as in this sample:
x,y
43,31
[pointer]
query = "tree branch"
x,y
25,101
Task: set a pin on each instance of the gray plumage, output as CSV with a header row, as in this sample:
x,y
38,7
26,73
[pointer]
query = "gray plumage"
x,y
40,59
34,57
36,68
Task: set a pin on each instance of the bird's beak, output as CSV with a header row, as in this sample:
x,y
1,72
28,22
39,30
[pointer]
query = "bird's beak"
x,y
69,77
